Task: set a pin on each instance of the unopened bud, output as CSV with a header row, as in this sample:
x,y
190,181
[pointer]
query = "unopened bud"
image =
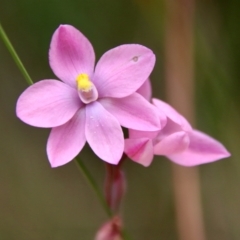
x,y
115,187
111,230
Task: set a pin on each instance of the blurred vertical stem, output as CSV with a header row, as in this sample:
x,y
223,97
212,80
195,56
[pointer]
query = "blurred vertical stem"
x,y
103,201
15,56
78,161
94,185
180,93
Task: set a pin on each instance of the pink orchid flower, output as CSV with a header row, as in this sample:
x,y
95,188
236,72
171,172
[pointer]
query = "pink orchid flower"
x,y
177,140
89,104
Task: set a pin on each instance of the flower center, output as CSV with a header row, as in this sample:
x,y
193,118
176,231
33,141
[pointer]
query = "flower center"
x,y
86,89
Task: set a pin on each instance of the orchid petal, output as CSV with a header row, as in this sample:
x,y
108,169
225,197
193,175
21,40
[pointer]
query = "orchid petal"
x,y
172,114
202,149
70,54
103,133
139,150
146,90
122,70
48,103
66,141
133,112
170,128
142,134
162,117
174,143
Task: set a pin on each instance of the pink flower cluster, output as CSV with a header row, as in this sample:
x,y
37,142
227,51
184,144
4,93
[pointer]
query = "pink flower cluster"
x,y
177,140
91,103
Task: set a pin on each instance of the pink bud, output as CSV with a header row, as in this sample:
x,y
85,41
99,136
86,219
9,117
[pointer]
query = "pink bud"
x,y
111,230
115,186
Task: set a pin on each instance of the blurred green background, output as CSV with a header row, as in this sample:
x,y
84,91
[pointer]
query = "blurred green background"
x,y
37,202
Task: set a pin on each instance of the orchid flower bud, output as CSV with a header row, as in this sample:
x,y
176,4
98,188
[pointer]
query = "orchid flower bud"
x,y
111,230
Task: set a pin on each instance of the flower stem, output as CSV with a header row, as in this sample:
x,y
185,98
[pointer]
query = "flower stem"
x,y
125,235
93,184
15,57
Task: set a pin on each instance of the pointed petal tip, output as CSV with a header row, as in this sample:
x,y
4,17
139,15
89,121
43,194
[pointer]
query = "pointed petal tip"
x,y
202,149
55,165
227,154
55,161
172,114
66,142
224,154
192,161
62,26
112,161
63,29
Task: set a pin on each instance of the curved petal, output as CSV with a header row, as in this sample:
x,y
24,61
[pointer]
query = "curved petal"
x,y
133,112
70,54
172,114
146,90
66,141
139,150
202,149
174,143
170,128
48,103
103,133
122,70
162,117
142,134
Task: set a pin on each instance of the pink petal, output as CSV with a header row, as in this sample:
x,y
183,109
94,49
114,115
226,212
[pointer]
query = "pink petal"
x,y
122,70
162,117
65,142
174,143
170,128
48,103
70,54
133,112
142,134
202,149
146,90
139,150
103,133
172,114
